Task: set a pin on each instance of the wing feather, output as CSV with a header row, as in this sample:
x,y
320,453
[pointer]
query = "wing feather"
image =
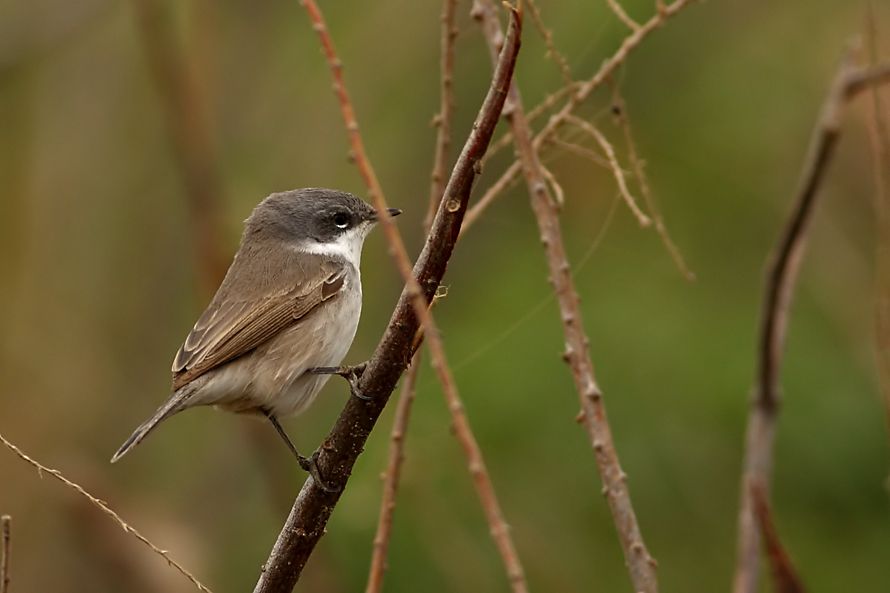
x,y
233,326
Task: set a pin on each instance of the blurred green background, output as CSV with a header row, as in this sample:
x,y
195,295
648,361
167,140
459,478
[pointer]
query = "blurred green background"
x,y
99,287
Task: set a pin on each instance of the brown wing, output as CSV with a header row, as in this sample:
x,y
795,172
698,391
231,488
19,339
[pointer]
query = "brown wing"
x,y
232,327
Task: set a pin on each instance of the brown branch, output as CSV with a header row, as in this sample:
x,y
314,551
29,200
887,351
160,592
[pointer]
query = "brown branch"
x,y
785,579
391,478
641,565
620,110
442,120
5,548
340,449
584,89
42,469
781,278
186,117
615,167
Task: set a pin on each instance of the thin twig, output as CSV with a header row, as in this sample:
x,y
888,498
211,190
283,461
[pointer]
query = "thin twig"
x,y
185,111
620,110
582,151
622,15
584,89
442,120
306,523
555,188
640,563
785,579
549,102
392,476
615,166
781,278
5,550
491,193
554,54
41,469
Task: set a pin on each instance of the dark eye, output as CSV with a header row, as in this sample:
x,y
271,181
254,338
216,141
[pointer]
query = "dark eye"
x,y
341,220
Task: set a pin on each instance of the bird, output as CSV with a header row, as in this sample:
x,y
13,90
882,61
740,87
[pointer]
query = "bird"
x,y
283,318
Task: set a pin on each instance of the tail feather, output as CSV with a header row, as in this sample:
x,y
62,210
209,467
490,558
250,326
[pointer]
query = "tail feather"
x,y
176,403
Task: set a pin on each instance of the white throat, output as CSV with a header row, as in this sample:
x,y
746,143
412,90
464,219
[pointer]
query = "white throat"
x,y
348,245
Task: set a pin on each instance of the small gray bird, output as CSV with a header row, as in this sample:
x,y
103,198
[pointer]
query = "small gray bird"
x,y
284,316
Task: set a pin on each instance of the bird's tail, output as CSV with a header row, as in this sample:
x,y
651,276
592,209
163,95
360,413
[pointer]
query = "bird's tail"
x,y
177,402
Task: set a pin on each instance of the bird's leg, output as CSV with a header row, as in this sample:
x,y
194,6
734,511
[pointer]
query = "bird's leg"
x,y
309,464
351,373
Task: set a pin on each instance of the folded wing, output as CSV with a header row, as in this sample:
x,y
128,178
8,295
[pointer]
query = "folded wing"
x,y
235,324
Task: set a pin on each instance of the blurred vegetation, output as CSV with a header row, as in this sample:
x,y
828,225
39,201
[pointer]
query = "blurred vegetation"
x,y
99,288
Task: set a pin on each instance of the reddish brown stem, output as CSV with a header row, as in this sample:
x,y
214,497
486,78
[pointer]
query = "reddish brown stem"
x,y
641,565
392,477
442,120
785,579
393,472
339,451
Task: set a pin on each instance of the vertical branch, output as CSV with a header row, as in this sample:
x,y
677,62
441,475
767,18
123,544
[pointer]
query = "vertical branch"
x,y
442,121
418,301
392,477
338,453
186,115
463,432
5,549
393,473
640,563
781,277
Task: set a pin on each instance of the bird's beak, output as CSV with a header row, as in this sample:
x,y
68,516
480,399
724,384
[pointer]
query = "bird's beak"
x,y
392,212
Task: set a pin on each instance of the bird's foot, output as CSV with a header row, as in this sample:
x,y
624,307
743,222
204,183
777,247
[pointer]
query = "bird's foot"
x,y
310,464
352,374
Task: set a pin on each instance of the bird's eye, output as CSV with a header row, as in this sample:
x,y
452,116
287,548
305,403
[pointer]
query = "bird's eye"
x,y
341,220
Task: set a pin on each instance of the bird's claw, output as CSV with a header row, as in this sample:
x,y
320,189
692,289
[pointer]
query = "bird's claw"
x,y
352,374
310,465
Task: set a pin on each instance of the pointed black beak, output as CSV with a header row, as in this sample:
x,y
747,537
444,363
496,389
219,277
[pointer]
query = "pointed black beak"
x,y
392,212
